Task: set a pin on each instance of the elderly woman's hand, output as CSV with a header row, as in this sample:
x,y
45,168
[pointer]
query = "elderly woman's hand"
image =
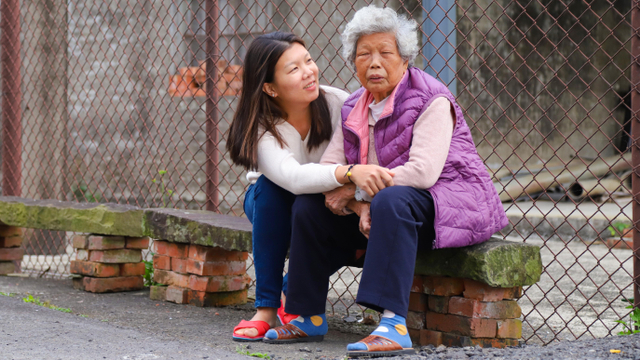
x,y
336,200
363,210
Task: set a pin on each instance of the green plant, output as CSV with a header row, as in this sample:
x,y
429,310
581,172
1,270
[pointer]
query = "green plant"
x,y
164,192
633,323
7,294
617,228
243,351
148,273
82,193
31,300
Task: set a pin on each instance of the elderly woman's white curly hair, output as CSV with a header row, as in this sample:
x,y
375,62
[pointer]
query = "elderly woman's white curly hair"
x,y
371,20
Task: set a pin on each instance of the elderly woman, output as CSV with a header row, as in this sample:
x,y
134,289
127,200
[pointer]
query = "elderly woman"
x,y
441,195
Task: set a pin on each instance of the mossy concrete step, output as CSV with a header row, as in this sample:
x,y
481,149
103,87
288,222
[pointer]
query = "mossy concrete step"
x,y
103,219
199,227
187,226
496,262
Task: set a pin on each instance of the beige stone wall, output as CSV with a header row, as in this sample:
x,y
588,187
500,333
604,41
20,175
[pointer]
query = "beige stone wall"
x,y
107,95
531,98
45,118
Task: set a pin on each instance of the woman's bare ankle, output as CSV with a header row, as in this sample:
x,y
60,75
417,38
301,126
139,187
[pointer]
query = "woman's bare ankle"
x,y
266,314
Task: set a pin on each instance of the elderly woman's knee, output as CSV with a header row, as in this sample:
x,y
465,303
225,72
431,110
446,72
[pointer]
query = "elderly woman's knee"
x,y
390,198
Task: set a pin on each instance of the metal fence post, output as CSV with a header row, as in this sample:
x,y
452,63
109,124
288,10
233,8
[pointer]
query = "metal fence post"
x,y
635,109
211,23
11,97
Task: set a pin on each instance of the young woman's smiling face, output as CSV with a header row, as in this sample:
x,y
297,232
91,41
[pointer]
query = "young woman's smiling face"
x,y
295,78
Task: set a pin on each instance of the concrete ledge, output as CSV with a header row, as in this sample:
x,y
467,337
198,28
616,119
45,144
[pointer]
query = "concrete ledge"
x,y
104,219
230,233
496,262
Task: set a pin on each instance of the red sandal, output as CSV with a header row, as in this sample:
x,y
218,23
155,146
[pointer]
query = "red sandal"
x,y
283,316
259,325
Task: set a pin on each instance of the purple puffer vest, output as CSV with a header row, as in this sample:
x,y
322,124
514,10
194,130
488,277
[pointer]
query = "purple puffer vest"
x,y
468,209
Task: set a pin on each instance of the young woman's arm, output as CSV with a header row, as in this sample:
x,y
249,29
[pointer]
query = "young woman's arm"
x,y
280,166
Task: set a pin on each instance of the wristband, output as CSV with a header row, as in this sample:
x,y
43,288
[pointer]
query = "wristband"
x,y
348,174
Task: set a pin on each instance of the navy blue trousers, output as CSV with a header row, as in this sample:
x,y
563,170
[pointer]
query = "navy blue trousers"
x,y
321,242
268,207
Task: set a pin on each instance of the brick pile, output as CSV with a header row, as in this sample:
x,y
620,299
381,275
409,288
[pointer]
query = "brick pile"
x,y
11,251
108,263
199,275
191,80
463,312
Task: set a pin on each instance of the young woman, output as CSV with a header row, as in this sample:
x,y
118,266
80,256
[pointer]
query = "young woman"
x,y
282,125
284,119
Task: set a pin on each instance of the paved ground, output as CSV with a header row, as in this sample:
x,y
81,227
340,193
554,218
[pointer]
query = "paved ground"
x,y
131,326
577,297
572,300
32,332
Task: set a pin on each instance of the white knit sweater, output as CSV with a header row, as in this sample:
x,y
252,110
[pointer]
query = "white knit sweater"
x,y
294,167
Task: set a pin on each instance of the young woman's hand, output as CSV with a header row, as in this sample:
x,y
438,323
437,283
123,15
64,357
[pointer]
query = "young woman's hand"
x,y
337,199
370,178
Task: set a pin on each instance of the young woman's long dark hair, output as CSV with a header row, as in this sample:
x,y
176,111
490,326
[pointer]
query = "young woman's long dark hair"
x,y
258,110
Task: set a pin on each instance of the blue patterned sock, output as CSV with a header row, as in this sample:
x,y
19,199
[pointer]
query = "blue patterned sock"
x,y
393,328
312,325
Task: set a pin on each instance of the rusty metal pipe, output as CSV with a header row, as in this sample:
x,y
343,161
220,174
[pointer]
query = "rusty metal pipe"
x,y
550,165
534,183
635,138
593,187
211,149
11,97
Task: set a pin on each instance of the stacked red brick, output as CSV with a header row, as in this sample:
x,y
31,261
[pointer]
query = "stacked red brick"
x,y
199,275
10,251
109,263
462,312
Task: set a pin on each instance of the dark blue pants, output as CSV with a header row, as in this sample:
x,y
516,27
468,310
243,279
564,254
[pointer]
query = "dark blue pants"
x,y
401,221
268,207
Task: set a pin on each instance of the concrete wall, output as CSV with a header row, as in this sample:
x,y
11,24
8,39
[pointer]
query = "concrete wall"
x,y
45,117
119,58
122,126
557,96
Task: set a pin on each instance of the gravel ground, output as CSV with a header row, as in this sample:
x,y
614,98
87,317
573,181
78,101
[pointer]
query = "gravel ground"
x,y
131,326
629,347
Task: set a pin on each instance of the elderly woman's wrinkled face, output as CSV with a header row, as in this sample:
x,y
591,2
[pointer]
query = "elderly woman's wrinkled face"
x,y
378,64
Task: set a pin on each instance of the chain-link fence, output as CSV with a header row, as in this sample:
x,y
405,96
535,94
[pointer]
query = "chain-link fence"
x,y
130,101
